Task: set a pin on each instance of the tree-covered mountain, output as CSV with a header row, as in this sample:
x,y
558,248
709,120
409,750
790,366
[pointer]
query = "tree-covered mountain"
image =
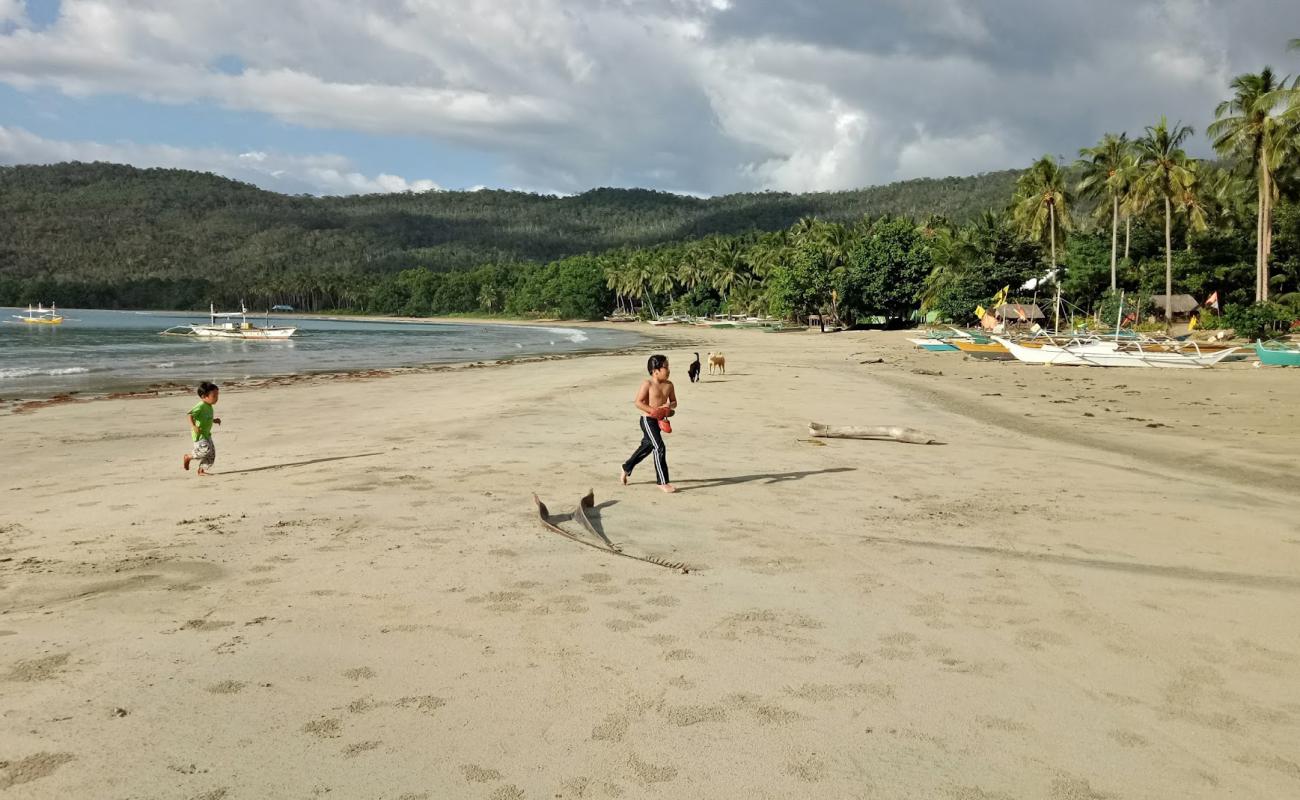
x,y
114,235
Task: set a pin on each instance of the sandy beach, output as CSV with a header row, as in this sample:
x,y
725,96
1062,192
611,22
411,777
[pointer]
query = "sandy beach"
x,y
1088,591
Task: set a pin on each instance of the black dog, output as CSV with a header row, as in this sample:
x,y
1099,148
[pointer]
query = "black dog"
x,y
694,371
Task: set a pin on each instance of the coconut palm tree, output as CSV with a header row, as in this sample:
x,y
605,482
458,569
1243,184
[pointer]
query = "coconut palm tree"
x,y
1163,174
1250,129
727,264
1198,200
1042,207
1105,175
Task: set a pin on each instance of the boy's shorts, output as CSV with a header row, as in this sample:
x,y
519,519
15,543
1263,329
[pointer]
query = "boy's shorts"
x,y
205,453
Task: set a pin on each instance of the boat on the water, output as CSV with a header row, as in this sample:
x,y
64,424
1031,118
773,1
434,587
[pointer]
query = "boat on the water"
x,y
232,325
40,315
1277,354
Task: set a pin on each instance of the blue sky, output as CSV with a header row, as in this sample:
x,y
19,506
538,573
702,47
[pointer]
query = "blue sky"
x,y
699,96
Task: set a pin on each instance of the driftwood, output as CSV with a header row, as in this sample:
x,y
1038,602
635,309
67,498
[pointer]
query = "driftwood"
x,y
580,515
898,434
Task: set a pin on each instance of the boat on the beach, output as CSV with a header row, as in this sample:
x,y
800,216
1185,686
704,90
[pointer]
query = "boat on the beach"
x,y
933,345
1277,354
984,351
1049,353
232,325
40,315
1135,355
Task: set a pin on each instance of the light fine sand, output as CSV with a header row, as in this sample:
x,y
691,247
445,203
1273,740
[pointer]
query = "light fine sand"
x,y
1088,591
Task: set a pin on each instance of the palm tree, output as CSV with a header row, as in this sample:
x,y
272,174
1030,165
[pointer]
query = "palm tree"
x,y
1197,199
1105,174
1248,129
1042,206
1163,174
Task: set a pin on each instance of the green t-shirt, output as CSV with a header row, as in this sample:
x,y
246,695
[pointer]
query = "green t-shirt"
x,y
202,414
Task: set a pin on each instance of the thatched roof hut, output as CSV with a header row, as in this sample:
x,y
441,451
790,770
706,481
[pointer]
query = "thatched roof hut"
x,y
1026,312
1182,303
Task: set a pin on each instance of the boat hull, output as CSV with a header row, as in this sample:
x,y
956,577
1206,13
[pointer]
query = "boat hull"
x,y
1276,357
256,333
985,351
1043,354
933,345
48,321
1162,359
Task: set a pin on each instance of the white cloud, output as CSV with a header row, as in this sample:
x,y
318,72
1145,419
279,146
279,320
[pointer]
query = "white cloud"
x,y
13,11
707,95
294,174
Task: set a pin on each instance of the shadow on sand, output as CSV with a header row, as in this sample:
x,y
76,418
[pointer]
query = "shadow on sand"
x,y
767,477
298,464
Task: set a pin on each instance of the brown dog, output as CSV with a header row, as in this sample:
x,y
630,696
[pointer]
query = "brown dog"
x,y
719,362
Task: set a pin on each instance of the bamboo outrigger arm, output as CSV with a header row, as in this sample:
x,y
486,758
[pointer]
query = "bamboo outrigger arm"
x,y
894,432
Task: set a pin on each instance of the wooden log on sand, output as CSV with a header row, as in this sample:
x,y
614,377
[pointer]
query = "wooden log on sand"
x,y
894,432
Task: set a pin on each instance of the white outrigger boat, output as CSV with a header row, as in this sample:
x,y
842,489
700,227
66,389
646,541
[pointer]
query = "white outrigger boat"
x,y
1111,353
40,315
1135,355
233,325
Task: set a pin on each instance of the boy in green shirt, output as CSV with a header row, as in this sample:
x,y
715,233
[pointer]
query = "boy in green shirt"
x,y
201,420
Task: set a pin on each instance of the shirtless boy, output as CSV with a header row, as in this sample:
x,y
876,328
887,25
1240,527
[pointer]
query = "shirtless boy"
x,y
656,400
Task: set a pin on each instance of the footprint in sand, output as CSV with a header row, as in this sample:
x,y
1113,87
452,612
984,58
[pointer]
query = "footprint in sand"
x,y
809,769
613,729
359,673
37,669
324,728
476,774
226,687
685,716
354,750
31,768
205,625
648,773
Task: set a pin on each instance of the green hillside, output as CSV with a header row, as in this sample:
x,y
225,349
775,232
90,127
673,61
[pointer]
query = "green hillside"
x,y
113,235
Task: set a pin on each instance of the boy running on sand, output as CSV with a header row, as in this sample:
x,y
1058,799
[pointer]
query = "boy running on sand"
x,y
201,420
657,400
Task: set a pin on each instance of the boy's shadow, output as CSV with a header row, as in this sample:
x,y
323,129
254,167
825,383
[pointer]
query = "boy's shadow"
x,y
769,477
299,463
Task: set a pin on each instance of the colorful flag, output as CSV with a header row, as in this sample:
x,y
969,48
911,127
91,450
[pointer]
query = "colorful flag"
x,y
1020,312
1191,326
980,312
1212,301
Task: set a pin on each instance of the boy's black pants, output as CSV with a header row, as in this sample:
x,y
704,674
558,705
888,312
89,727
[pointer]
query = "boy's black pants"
x,y
652,443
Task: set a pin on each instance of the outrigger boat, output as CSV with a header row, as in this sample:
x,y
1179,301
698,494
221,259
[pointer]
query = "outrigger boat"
x,y
1277,354
40,315
984,351
225,326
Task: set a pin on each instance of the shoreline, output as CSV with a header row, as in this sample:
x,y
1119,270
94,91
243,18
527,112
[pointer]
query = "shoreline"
x,y
649,338
29,405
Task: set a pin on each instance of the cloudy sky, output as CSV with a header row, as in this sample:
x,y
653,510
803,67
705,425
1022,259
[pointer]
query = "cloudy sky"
x,y
699,96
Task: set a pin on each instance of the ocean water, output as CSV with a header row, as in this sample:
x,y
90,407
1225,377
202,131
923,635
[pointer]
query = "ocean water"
x,y
104,351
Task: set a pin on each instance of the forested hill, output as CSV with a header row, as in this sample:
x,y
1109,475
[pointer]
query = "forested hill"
x,y
109,225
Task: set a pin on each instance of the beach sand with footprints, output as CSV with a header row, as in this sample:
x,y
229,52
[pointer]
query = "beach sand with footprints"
x,y
1088,591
